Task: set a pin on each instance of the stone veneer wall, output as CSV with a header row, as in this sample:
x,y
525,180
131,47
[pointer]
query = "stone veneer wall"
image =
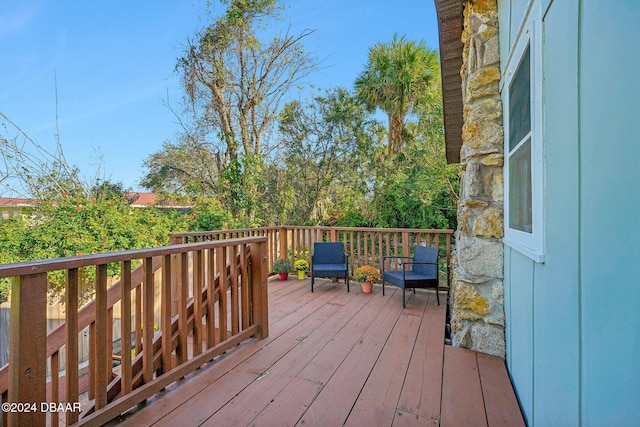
x,y
477,295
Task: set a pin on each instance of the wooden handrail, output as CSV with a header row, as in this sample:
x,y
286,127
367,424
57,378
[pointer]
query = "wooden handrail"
x,y
364,245
216,276
66,263
205,273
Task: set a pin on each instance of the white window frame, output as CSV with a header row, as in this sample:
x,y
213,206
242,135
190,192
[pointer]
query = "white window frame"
x,y
529,244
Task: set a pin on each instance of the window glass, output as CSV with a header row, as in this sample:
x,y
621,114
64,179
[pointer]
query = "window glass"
x,y
520,197
520,102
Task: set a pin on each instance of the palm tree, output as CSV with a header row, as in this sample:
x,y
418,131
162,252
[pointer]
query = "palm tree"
x,y
397,76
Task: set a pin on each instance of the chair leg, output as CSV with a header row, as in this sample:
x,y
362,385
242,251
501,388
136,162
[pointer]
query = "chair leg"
x,y
312,278
404,303
437,295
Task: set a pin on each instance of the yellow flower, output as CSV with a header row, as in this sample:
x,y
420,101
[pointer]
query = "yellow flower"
x,y
366,273
301,265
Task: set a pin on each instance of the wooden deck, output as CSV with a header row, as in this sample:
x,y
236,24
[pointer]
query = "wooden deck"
x,y
335,358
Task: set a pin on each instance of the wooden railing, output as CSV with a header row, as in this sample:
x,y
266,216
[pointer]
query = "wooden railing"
x,y
212,295
365,246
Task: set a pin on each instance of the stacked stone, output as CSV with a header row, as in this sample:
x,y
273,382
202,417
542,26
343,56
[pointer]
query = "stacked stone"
x,y
477,303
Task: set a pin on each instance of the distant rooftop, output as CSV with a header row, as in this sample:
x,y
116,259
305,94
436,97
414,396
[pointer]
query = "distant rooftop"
x,y
135,199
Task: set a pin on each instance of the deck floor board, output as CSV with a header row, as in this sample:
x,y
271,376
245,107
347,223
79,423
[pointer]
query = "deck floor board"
x,y
335,358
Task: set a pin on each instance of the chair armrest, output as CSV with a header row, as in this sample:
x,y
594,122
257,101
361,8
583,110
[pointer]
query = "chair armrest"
x,y
421,262
404,264
396,257
385,258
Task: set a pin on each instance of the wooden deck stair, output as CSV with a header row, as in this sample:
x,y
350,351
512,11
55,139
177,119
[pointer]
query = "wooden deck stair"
x,y
334,358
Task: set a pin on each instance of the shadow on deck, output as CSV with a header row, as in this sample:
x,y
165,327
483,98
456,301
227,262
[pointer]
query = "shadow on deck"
x,y
335,358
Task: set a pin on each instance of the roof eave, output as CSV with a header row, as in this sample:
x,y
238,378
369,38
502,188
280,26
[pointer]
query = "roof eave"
x,y
450,26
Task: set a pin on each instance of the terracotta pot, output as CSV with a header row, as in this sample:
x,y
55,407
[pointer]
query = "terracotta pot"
x,y
367,287
283,276
301,274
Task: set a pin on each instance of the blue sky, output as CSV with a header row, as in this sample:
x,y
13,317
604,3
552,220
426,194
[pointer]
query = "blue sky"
x,y
114,61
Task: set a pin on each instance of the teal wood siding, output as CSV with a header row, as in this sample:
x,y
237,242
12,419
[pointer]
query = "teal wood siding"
x,y
610,211
573,322
519,312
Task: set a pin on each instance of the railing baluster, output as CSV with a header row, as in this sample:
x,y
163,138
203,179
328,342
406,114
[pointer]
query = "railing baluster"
x,y
92,361
148,322
380,251
211,299
244,287
359,250
102,371
55,387
125,326
222,271
351,257
235,301
71,342
165,313
109,343
198,275
181,353
138,319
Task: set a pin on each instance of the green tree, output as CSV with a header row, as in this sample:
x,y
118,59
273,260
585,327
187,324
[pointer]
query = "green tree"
x,y
328,146
236,73
417,188
398,75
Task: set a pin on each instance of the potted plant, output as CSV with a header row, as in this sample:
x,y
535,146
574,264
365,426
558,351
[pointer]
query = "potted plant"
x,y
301,266
282,266
366,275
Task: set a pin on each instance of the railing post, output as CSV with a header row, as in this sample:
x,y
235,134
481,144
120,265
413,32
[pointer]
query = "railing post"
x,y
27,349
284,249
259,299
176,278
405,244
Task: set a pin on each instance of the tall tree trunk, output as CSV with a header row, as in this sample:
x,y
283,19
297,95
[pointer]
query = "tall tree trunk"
x,y
395,133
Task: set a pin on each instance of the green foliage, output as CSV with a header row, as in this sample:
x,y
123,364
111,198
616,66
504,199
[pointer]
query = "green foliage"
x,y
235,74
396,78
208,214
326,162
76,225
417,188
329,145
5,288
282,265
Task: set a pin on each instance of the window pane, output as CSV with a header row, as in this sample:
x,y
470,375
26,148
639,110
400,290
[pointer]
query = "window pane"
x,y
520,102
520,217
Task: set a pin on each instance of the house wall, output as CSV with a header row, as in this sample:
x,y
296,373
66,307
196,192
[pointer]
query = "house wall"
x,y
572,322
10,212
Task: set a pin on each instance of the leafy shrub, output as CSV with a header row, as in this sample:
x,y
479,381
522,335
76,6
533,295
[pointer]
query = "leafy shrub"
x,y
70,225
5,288
282,265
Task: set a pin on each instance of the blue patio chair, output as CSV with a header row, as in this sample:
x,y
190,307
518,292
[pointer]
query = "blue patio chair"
x,y
329,260
421,271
